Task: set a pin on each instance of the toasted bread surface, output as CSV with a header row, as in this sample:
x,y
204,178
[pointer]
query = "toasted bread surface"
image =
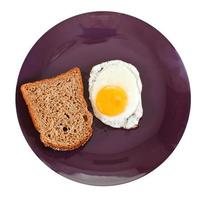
x,y
59,111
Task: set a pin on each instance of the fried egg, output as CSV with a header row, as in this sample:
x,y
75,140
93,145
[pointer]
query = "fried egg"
x,y
115,93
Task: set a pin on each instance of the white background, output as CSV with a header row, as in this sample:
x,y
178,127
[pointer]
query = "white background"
x,y
24,176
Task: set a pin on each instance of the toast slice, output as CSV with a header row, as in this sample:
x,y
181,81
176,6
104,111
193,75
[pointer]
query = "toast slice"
x,y
59,111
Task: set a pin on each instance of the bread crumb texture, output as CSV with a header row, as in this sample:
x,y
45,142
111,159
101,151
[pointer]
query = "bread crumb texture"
x,y
59,111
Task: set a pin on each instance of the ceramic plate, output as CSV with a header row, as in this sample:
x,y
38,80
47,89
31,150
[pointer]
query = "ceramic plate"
x,y
112,156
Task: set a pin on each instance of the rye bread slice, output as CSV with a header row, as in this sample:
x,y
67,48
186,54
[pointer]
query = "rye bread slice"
x,y
59,111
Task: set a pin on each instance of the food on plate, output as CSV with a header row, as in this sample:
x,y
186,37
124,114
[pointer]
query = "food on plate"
x,y
115,93
59,111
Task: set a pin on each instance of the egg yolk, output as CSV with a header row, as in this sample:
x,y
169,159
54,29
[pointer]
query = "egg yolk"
x,y
111,100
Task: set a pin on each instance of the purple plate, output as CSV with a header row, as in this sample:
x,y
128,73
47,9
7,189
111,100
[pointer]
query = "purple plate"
x,y
112,156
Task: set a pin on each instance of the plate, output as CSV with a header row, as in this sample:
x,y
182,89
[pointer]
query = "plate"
x,y
112,156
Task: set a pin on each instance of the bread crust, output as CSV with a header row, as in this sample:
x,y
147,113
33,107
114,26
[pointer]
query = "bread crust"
x,y
37,126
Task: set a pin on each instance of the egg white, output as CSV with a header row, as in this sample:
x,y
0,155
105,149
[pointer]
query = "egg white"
x,y
126,76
